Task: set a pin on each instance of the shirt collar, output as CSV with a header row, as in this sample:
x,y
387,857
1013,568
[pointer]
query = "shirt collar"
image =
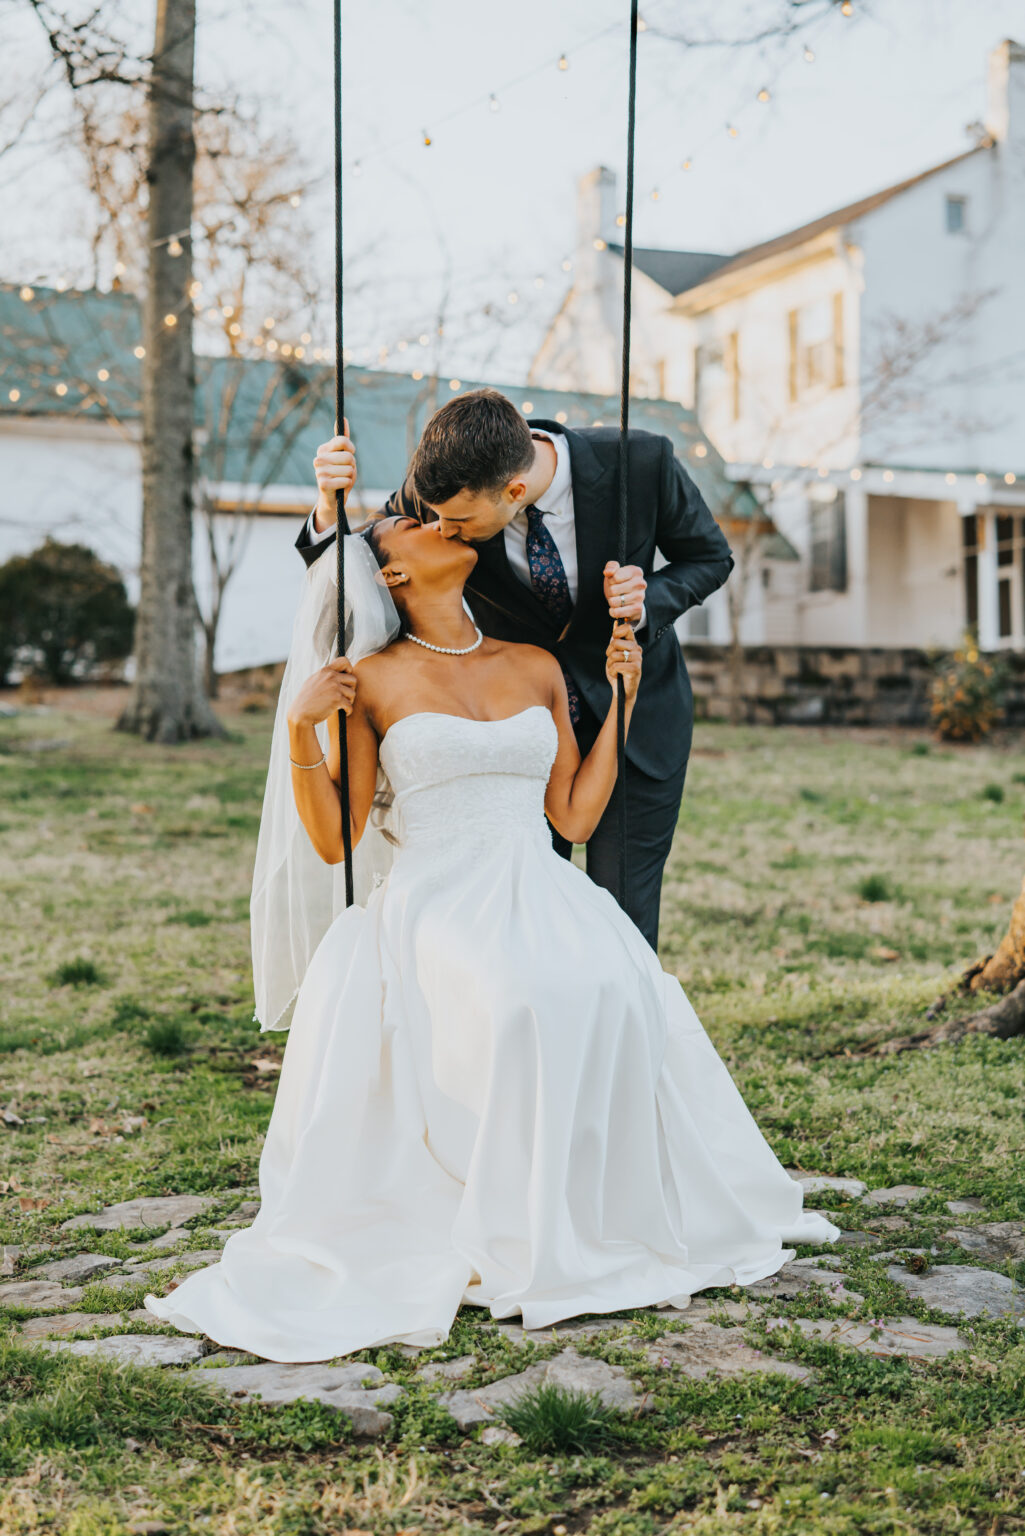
x,y
562,480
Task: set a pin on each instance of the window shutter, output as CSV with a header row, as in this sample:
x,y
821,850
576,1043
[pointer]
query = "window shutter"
x,y
838,349
733,372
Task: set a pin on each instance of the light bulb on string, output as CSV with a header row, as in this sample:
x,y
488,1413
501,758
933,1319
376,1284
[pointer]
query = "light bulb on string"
x,y
494,103
731,130
763,94
539,281
514,297
847,8
427,140
563,62
402,346
655,194
424,340
620,220
567,265
418,373
174,247
642,25
687,164
295,199
599,244
1010,478
809,55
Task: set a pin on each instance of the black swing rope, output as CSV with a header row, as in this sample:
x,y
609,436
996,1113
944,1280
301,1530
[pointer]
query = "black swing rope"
x,y
624,438
624,442
342,523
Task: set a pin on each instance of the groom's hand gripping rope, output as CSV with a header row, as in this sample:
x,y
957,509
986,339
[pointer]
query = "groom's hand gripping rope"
x,y
334,465
623,659
625,587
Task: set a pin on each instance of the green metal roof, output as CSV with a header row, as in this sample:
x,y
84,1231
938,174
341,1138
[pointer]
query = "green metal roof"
x,y
259,421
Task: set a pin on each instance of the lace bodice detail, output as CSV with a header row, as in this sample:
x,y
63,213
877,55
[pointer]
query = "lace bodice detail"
x,y
458,781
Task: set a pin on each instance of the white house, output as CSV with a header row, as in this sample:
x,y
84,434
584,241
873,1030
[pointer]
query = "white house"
x,y
867,371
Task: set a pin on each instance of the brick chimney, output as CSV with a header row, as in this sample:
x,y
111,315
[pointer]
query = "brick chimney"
x,y
596,208
1005,111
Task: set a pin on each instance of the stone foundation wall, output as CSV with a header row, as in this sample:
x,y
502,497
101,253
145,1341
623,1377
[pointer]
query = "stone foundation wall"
x,y
829,685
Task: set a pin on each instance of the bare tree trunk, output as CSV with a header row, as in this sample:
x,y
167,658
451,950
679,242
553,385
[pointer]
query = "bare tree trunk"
x,y
1003,971
1005,968
167,704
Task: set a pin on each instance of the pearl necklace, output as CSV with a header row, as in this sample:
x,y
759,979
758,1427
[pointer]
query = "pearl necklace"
x,y
448,650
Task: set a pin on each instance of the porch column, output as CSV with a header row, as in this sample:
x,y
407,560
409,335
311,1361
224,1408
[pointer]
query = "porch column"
x,y
856,506
989,638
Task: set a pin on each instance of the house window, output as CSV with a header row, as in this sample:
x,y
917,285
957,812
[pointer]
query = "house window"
x,y
957,215
698,625
1010,531
828,540
816,350
709,362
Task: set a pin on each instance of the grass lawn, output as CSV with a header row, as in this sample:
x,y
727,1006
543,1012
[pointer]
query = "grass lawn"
x,y
822,889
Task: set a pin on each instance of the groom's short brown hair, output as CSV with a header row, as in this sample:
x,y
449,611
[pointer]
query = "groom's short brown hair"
x,y
476,442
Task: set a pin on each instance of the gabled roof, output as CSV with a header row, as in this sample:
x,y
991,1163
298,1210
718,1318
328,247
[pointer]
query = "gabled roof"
x,y
260,421
679,271
840,216
675,271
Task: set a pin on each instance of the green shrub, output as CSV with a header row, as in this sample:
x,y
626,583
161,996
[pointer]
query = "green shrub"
x,y
550,1418
62,608
994,792
966,694
875,888
78,973
166,1037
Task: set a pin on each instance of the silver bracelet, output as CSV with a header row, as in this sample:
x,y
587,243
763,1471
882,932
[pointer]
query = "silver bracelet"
x,y
308,766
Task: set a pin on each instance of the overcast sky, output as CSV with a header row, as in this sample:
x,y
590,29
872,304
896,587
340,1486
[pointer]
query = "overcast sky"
x,y
488,207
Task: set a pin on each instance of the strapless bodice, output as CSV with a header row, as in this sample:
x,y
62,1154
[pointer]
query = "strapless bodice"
x,y
458,781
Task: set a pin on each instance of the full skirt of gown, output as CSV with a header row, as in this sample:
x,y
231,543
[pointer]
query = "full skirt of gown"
x,y
491,1093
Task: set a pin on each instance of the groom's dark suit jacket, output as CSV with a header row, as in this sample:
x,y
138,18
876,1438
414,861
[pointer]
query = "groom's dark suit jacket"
x,y
666,513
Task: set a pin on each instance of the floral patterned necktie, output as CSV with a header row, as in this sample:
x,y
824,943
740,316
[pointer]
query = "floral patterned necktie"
x,y
551,584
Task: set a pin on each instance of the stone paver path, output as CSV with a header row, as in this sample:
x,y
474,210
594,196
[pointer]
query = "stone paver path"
x,y
340,1387
710,1342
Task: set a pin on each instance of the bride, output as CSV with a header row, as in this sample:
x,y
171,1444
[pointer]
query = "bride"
x,y
492,1094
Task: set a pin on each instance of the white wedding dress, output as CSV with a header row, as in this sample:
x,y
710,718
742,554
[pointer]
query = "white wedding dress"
x,y
491,1093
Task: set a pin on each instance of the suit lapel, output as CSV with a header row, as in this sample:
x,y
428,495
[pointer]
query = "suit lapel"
x,y
593,513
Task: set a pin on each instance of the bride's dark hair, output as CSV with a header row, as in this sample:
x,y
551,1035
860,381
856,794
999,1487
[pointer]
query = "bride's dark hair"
x,y
371,535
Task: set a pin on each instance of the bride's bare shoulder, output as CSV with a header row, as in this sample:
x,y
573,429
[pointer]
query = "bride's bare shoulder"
x,y
532,658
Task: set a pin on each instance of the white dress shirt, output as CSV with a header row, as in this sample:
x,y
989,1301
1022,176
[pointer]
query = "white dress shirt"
x,y
557,505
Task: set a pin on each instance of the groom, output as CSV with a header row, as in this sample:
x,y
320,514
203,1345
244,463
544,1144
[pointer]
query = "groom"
x,y
539,502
